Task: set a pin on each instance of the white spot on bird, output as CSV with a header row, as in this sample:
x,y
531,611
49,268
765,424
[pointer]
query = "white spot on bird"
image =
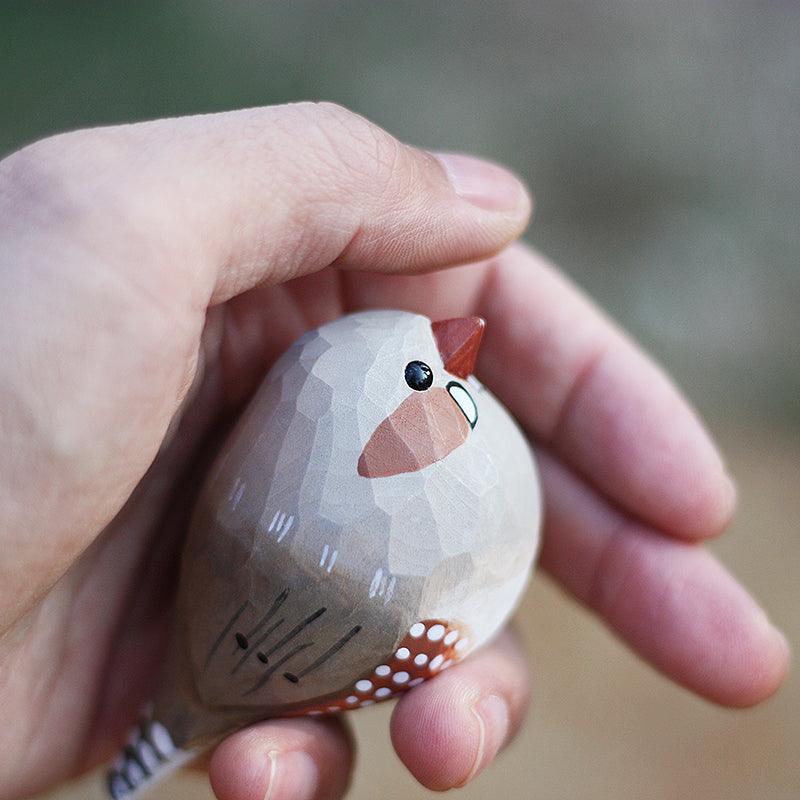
x,y
436,632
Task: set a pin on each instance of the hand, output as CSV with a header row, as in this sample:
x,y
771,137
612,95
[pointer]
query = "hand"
x,y
150,273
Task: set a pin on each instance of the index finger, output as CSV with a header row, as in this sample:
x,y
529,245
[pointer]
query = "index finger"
x,y
578,383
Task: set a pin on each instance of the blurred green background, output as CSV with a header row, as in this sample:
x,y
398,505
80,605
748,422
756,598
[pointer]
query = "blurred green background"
x,y
661,140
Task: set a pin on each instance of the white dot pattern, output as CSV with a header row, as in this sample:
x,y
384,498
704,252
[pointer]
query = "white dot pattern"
x,y
428,648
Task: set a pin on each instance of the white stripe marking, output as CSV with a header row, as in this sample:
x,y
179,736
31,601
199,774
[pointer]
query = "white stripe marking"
x,y
286,528
373,587
333,560
238,491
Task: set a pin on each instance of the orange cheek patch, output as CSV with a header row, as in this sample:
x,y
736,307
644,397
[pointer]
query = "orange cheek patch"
x,y
423,429
428,648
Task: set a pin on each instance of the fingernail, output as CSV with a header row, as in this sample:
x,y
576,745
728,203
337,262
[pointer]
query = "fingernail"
x,y
293,776
483,184
729,492
492,714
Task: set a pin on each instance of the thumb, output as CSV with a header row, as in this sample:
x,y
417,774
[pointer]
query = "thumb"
x,y
116,240
267,194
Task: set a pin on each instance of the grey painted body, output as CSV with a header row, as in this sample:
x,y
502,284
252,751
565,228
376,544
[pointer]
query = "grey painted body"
x,y
285,527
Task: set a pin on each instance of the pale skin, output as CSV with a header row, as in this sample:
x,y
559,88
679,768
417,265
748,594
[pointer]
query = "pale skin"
x,y
150,273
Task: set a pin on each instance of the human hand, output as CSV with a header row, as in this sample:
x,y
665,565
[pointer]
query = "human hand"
x,y
150,273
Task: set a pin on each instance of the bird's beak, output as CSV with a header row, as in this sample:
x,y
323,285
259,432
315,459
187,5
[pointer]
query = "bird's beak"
x,y
459,340
428,425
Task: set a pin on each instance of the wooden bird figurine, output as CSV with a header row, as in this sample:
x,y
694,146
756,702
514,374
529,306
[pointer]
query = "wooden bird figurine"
x,y
371,520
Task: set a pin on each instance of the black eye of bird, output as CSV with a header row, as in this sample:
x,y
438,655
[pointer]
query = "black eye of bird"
x,y
419,376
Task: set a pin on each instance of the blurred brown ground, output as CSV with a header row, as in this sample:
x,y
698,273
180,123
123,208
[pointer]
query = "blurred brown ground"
x,y
603,724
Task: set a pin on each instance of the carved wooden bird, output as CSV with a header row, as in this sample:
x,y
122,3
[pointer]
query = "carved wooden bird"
x,y
372,519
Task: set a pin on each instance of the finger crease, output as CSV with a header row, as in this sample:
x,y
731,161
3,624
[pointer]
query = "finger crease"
x,y
603,590
581,380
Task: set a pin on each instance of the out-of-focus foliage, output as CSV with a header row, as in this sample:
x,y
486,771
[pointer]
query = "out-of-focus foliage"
x,y
661,137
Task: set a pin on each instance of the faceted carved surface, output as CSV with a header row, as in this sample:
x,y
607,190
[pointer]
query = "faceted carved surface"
x,y
303,572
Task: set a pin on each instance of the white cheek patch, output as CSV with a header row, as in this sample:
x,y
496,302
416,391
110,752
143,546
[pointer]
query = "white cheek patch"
x,y
464,401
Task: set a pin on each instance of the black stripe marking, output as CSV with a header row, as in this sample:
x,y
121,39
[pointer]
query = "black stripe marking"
x,y
271,671
225,631
271,613
144,735
256,645
328,653
294,631
132,754
112,790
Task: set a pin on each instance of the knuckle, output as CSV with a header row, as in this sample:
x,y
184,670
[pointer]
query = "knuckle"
x,y
358,150
32,182
87,190
59,181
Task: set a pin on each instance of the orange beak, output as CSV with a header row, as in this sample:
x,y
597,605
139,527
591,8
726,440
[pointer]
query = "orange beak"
x,y
429,424
459,340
